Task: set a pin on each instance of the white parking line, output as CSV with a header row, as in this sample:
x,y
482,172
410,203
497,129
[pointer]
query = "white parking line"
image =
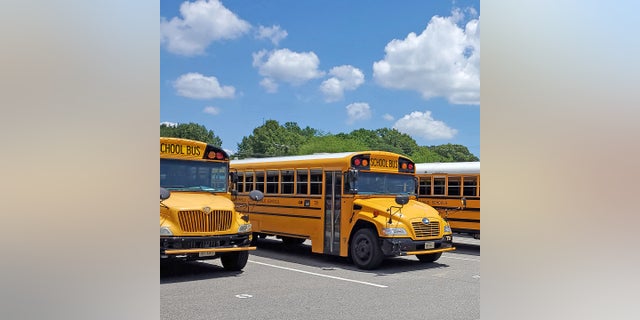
x,y
466,259
319,274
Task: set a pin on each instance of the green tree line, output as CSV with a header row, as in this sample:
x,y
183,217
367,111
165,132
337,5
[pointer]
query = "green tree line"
x,y
273,139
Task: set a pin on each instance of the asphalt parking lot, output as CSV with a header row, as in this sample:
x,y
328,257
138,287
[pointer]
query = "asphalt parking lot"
x,y
285,282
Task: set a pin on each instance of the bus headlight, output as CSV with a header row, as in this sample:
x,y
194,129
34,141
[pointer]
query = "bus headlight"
x,y
165,231
394,231
244,228
447,228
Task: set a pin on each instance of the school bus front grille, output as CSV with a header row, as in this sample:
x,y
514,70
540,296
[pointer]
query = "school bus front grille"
x,y
198,221
432,229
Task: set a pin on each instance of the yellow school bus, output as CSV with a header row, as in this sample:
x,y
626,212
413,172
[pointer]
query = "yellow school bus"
x,y
444,186
360,205
198,220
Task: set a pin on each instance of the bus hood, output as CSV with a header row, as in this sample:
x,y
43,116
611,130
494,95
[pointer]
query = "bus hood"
x,y
413,209
197,200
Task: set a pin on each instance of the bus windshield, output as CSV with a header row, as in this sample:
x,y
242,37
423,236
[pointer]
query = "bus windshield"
x,y
385,183
182,175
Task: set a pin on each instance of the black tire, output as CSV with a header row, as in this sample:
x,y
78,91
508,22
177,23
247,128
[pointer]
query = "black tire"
x,y
291,241
365,249
234,261
429,257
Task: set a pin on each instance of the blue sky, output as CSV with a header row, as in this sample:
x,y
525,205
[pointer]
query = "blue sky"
x,y
335,66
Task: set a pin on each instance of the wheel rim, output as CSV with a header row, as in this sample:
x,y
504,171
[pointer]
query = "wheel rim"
x,y
363,249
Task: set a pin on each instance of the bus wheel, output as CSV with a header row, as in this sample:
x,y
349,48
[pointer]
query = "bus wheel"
x,y
429,257
365,250
235,261
292,241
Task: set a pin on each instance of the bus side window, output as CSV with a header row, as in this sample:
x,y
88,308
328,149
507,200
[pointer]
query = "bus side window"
x,y
454,186
425,186
286,182
272,181
438,186
470,186
240,184
316,181
260,181
303,182
248,185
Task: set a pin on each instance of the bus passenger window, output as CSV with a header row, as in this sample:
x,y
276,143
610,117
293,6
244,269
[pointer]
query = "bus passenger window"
x,y
316,181
272,181
425,186
260,180
248,182
470,184
286,182
303,182
240,184
438,186
454,186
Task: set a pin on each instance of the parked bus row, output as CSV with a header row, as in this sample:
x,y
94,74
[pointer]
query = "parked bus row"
x,y
360,205
453,188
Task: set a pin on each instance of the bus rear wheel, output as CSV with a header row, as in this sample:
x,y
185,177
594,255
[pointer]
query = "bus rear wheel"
x,y
429,257
365,250
234,261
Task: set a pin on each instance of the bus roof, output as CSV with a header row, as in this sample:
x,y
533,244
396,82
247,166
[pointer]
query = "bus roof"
x,y
315,156
448,167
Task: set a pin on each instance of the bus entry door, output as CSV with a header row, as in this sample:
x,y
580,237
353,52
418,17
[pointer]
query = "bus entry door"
x,y
332,200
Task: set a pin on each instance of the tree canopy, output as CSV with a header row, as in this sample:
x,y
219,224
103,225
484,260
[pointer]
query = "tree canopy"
x,y
273,139
191,131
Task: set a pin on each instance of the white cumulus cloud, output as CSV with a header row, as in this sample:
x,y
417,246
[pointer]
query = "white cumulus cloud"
x,y
388,117
358,111
269,85
211,110
343,78
442,61
274,33
422,125
202,23
197,86
285,65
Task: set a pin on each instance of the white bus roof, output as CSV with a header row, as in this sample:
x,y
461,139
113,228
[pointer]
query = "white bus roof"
x,y
448,167
297,158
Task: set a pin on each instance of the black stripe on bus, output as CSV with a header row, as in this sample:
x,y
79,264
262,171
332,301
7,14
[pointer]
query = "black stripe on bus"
x,y
288,207
284,234
456,208
284,215
463,220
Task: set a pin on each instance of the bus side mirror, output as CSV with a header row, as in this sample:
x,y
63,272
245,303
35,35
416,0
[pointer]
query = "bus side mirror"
x,y
463,202
164,194
402,199
256,195
234,177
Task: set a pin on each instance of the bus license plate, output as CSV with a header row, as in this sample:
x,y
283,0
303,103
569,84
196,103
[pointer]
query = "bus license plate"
x,y
429,245
207,254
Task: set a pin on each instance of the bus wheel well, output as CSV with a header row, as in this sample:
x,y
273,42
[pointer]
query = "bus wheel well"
x,y
361,224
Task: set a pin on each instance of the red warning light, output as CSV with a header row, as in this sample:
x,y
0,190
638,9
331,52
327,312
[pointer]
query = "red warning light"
x,y
356,162
410,166
219,156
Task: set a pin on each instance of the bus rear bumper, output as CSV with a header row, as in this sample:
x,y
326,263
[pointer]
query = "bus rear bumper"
x,y
406,246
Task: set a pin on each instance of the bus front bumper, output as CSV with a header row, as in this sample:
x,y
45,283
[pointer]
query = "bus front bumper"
x,y
203,247
406,246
